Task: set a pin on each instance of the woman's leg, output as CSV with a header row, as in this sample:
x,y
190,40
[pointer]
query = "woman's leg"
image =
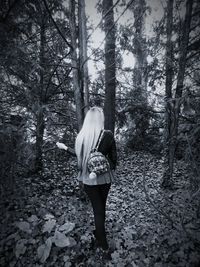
x,y
104,190
98,195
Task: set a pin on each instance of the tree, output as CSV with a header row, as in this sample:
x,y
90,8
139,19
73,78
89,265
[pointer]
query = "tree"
x,y
40,124
33,73
78,90
168,94
176,102
140,69
136,107
110,65
83,53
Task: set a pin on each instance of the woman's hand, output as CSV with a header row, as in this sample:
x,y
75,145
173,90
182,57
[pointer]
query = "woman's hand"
x,y
61,146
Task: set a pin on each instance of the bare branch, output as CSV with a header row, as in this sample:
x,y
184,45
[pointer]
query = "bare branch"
x,y
58,29
102,19
127,6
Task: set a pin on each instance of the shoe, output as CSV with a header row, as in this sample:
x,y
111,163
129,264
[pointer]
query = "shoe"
x,y
104,254
98,243
94,244
107,255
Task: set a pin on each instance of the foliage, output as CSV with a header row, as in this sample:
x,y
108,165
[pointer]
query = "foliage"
x,y
31,86
35,71
51,225
45,217
11,140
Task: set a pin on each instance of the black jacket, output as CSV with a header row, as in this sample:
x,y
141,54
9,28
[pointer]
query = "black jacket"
x,y
107,147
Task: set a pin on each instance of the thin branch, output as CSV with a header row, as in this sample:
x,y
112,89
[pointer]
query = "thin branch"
x,y
102,19
127,6
54,70
55,24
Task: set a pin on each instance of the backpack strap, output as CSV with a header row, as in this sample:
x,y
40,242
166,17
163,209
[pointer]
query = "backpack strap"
x,y
99,139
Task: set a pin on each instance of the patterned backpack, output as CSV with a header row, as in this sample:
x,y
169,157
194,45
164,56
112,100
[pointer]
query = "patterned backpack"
x,y
97,163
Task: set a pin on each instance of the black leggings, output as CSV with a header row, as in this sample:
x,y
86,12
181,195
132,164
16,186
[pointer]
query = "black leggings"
x,y
98,195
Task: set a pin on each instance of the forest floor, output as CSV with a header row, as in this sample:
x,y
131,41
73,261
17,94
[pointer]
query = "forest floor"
x,y
47,222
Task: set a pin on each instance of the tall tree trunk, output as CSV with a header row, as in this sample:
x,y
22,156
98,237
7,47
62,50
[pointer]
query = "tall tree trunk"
x,y
40,124
83,52
168,163
139,75
110,65
183,52
175,105
139,44
78,93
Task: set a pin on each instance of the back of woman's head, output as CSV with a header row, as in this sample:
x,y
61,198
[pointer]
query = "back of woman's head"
x,y
94,119
89,133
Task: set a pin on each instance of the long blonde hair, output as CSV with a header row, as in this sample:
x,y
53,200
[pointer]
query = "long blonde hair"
x,y
88,135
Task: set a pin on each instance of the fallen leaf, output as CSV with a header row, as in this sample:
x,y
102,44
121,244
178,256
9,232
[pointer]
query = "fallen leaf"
x,y
48,216
68,264
43,251
72,241
24,226
20,248
61,240
67,227
33,219
49,225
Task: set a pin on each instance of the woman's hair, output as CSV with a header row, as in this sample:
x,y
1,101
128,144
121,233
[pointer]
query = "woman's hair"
x,y
89,134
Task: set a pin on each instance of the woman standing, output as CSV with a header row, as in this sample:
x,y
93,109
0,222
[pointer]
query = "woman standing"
x,y
97,188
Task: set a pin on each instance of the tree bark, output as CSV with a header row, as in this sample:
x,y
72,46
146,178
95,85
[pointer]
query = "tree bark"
x,y
40,124
83,53
110,65
139,44
168,163
183,51
181,75
139,74
174,106
78,93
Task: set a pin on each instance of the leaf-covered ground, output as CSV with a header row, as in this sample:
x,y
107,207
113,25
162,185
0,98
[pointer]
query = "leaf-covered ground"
x,y
48,221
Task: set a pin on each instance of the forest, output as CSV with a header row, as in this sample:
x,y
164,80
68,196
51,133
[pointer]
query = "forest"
x,y
139,61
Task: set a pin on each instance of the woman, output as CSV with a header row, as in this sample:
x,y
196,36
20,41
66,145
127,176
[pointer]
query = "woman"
x,y
96,188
